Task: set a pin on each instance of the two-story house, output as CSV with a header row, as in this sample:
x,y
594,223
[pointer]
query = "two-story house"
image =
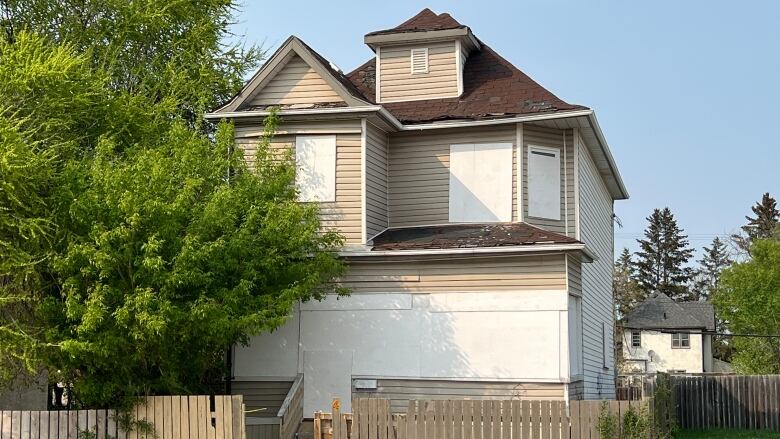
x,y
661,335
477,209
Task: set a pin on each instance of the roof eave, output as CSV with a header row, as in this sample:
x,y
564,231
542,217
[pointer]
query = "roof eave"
x,y
608,154
524,249
412,37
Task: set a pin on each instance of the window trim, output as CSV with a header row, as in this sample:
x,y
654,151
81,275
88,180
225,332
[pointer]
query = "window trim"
x,y
426,59
638,334
680,344
545,151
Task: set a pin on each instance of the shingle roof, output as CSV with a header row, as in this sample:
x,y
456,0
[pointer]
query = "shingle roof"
x,y
452,236
660,312
492,88
425,20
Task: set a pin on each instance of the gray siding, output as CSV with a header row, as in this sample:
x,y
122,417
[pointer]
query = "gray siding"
x,y
377,218
265,395
419,171
574,268
400,391
552,138
597,234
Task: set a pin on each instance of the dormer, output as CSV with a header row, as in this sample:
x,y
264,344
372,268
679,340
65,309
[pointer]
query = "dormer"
x,y
422,58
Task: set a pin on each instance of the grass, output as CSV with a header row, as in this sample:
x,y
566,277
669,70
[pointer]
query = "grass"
x,y
727,434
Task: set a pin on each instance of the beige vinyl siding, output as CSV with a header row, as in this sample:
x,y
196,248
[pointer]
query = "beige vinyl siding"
x,y
424,275
397,83
308,127
574,270
597,303
400,391
295,83
345,213
552,138
376,180
267,395
419,171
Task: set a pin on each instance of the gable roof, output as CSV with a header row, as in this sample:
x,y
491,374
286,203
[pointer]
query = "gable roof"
x,y
492,88
293,45
658,311
426,20
451,236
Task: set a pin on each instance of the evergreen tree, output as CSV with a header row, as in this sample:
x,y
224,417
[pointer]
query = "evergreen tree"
x,y
707,277
625,289
764,225
660,264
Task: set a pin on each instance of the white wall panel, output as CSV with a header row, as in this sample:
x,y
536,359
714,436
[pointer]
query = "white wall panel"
x,y
315,177
544,183
480,182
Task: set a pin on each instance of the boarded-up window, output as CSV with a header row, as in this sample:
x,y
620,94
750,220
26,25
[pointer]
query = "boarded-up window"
x,y
575,335
544,183
480,182
419,60
315,157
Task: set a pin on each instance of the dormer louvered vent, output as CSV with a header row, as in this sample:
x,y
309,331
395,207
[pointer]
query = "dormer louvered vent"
x,y
419,60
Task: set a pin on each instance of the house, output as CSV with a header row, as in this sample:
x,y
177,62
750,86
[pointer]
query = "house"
x,y
661,335
477,209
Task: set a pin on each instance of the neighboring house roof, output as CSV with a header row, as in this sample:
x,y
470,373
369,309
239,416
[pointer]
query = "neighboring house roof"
x,y
425,20
492,88
451,236
660,312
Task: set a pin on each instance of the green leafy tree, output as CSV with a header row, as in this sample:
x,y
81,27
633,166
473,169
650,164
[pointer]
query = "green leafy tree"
x,y
764,225
661,262
749,300
175,53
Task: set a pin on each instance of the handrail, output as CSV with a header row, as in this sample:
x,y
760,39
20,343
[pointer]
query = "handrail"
x,y
290,395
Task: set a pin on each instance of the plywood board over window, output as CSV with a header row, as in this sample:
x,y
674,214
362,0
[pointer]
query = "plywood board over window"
x,y
315,157
544,182
480,182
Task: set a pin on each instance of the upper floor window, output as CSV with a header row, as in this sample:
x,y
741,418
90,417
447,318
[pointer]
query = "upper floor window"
x,y
419,60
480,183
315,176
544,182
636,339
681,341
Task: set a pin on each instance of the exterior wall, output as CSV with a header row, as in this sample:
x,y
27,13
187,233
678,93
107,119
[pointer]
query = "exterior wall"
x,y
664,357
597,304
345,214
452,329
419,171
397,83
564,141
25,393
296,83
266,395
401,391
377,215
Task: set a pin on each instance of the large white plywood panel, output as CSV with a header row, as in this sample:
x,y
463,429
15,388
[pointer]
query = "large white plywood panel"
x,y
327,375
315,176
499,345
385,342
480,182
544,183
546,300
271,354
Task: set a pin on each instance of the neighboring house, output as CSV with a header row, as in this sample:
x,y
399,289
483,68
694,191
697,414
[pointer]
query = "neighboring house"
x,y
661,335
477,209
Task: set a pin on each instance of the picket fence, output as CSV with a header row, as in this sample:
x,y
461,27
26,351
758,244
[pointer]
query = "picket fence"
x,y
170,417
472,419
727,401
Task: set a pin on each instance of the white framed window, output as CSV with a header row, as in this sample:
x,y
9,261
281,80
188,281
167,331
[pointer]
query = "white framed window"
x,y
419,60
480,183
636,339
315,176
544,182
681,341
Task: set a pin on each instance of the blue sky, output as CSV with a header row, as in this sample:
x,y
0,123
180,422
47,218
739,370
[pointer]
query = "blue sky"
x,y
687,92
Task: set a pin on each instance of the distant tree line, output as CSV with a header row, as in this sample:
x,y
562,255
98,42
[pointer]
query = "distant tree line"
x,y
741,279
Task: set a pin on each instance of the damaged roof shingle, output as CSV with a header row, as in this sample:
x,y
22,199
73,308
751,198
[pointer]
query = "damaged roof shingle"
x,y
425,20
452,236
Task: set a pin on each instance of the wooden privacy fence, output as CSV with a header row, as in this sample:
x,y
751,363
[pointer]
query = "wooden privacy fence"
x,y
469,419
169,417
727,401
